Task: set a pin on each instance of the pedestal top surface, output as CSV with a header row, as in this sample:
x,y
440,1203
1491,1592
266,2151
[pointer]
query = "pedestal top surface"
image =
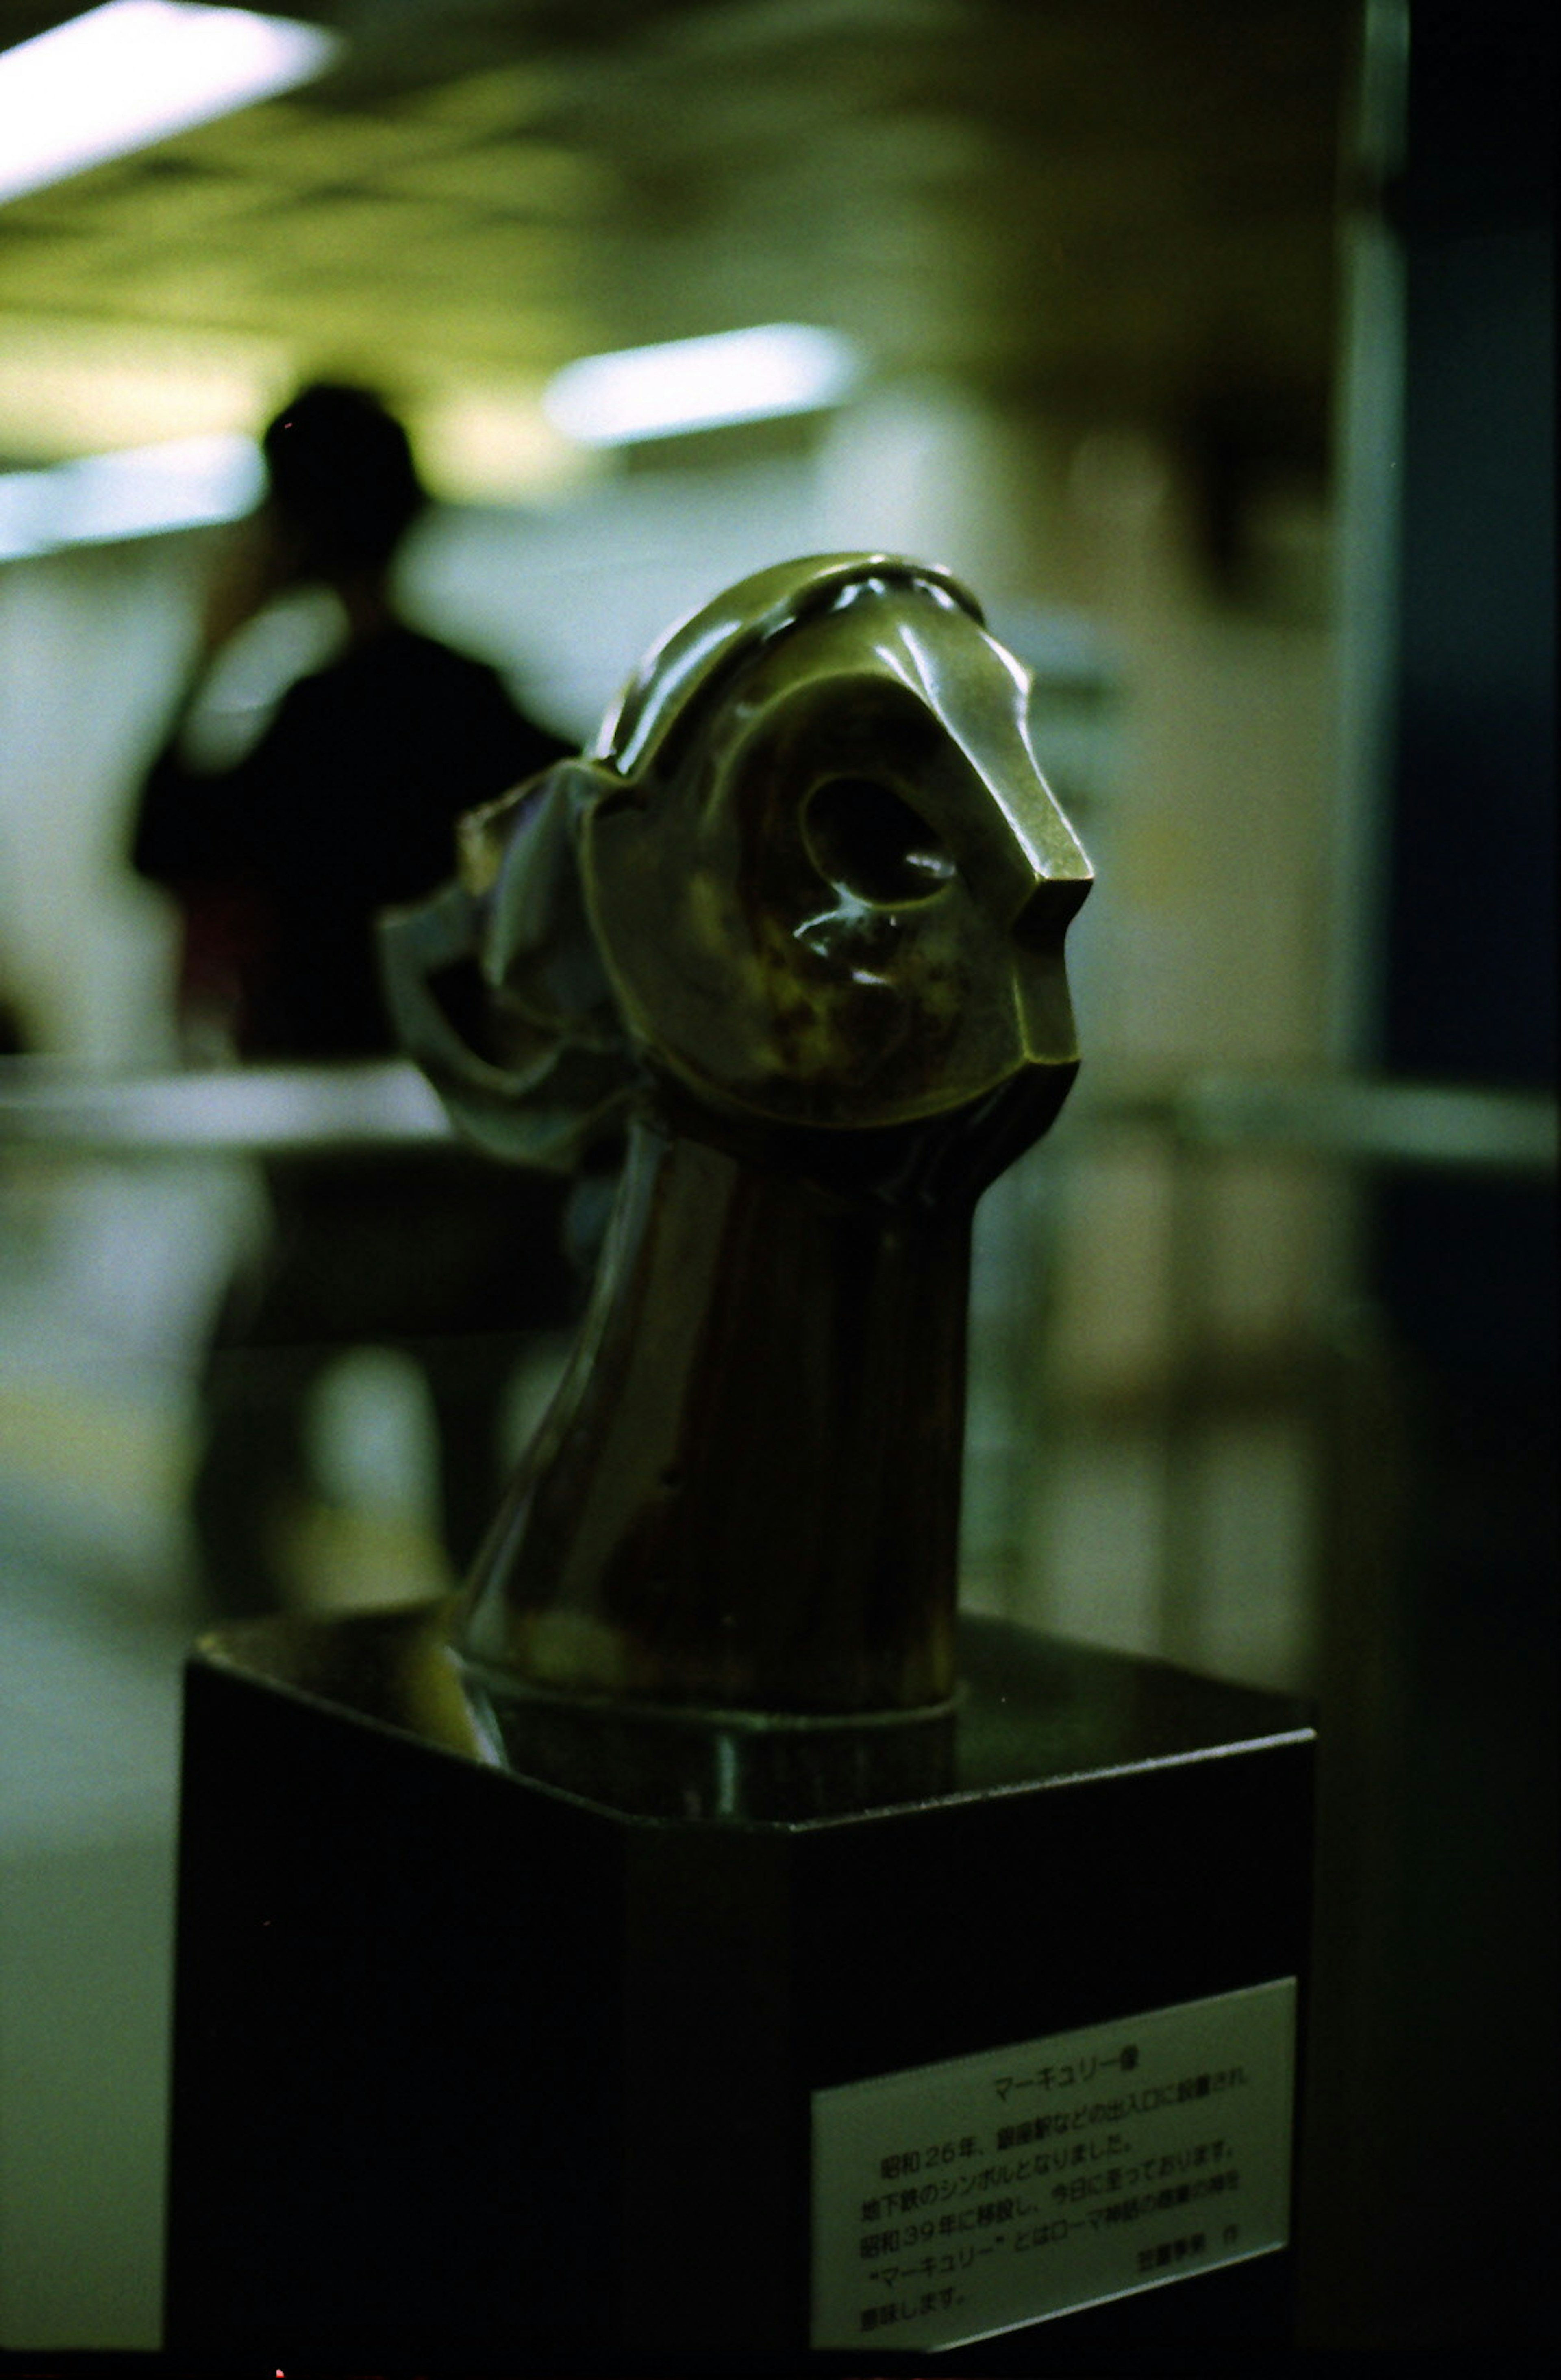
x,y
1030,1711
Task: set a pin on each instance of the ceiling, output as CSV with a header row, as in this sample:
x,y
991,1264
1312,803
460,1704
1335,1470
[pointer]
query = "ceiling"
x,y
1117,208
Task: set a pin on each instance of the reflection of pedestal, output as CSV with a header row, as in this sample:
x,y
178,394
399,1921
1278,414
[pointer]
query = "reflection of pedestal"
x,y
471,2072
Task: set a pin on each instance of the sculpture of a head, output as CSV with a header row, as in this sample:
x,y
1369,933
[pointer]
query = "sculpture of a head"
x,y
804,900
809,875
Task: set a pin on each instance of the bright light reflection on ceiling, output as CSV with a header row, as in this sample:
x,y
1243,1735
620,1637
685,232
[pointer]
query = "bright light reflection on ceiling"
x,y
132,73
484,447
180,483
752,375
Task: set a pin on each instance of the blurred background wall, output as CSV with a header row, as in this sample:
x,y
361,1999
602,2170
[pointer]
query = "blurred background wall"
x,y
1210,343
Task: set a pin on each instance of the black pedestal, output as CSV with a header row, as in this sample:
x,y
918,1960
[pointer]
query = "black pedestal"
x,y
473,2072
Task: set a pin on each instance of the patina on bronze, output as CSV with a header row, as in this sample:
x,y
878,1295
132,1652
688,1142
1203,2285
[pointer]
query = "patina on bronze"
x,y
799,915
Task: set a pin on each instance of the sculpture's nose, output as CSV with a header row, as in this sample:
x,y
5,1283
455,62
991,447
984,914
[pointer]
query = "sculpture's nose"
x,y
1046,913
1040,976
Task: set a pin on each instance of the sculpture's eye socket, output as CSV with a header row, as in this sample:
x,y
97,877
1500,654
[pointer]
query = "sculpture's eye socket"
x,y
863,837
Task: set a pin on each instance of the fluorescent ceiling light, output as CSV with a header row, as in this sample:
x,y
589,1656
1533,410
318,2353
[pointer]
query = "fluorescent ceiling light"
x,y
133,72
776,368
180,483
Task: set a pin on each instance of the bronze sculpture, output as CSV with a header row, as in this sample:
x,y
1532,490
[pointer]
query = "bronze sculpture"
x,y
798,917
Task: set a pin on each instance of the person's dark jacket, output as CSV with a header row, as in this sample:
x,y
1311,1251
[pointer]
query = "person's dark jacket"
x,y
345,805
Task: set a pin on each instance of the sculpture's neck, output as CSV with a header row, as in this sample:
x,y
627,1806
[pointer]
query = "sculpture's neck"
x,y
747,1493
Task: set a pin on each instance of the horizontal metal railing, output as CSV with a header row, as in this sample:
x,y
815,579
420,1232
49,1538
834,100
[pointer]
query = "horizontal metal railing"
x,y
1354,1119
238,1110
295,1110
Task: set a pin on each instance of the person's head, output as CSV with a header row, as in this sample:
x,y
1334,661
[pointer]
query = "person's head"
x,y
342,484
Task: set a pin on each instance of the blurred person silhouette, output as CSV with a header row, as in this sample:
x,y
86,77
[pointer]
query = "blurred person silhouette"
x,y
323,750
319,759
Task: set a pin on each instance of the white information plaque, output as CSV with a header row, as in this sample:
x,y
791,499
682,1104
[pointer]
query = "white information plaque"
x,y
955,2201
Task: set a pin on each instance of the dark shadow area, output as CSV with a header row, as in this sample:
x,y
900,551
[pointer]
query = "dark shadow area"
x,y
1434,2210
